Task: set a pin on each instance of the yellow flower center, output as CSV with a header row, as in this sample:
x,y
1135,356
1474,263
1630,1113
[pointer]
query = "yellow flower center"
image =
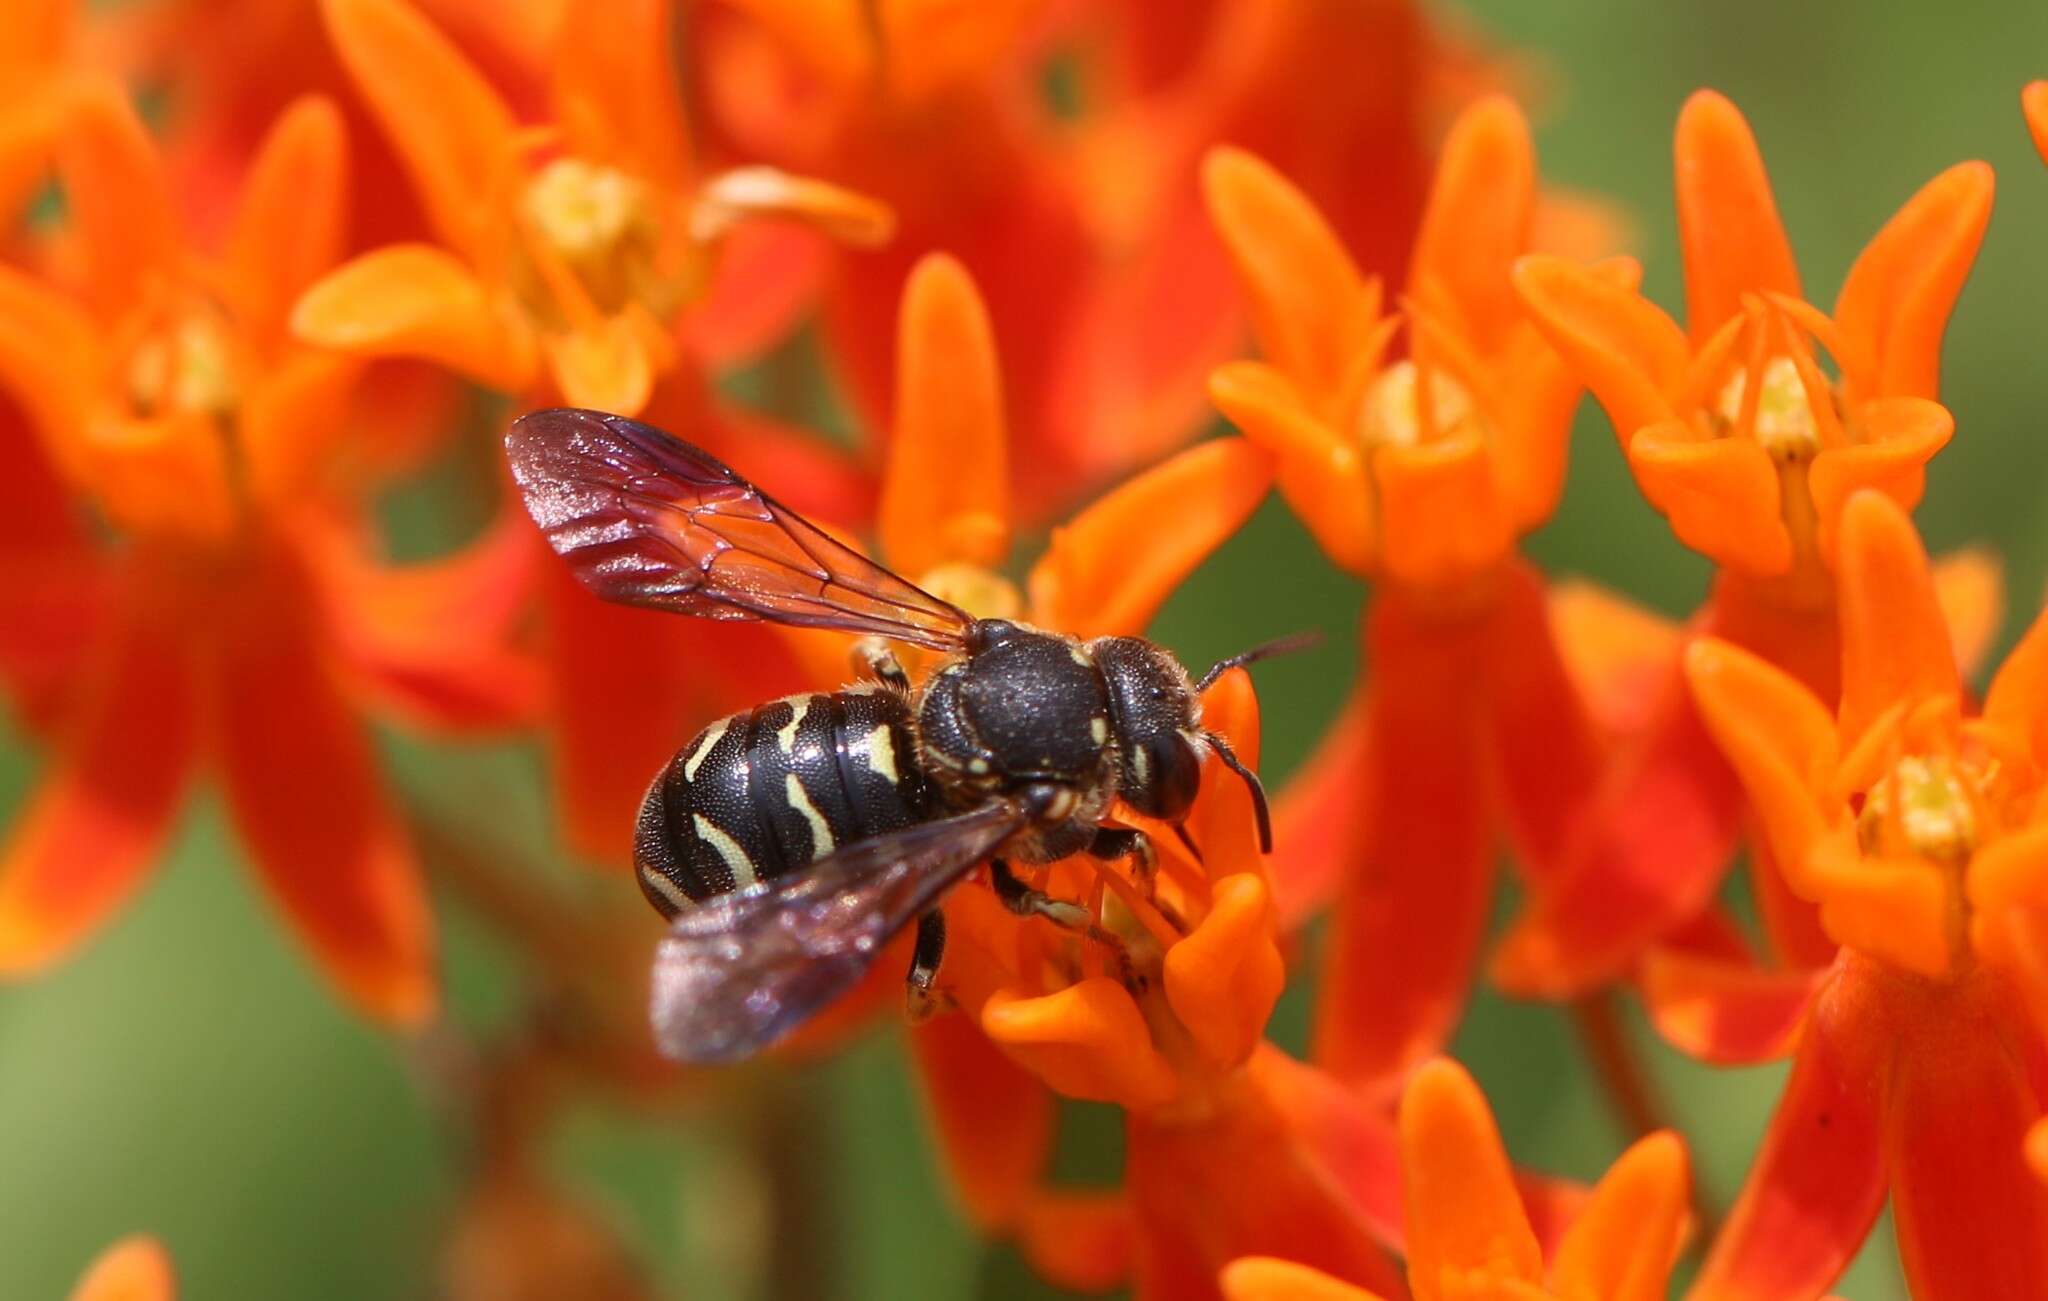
x,y
1784,427
1925,806
601,225
981,592
185,366
1394,411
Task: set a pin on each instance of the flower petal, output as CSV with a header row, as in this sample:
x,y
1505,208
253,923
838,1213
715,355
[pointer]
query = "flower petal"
x,y
1903,435
1723,1011
1317,816
99,820
133,1269
1321,474
1079,1241
302,784
1310,308
1727,219
1778,738
1895,643
1223,979
946,492
1618,653
1477,220
289,225
1111,568
1443,520
992,1117
2017,701
1631,356
1463,1211
413,300
604,366
2034,104
1818,1181
1720,494
1972,1220
1622,1247
457,138
1266,1278
1896,300
1087,1041
1414,905
118,198
615,90
1970,585
51,362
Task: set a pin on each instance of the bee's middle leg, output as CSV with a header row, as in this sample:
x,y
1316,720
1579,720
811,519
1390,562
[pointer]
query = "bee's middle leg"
x,y
1116,842
920,997
1024,901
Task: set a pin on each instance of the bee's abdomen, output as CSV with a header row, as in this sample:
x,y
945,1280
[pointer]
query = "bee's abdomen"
x,y
761,793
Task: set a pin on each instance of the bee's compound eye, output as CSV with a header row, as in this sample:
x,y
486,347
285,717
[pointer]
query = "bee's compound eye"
x,y
1162,774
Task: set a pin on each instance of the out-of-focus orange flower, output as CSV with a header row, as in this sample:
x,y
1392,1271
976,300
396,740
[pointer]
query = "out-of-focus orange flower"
x,y
566,253
237,617
37,75
2034,104
1468,1233
1917,833
1736,433
1419,473
133,1269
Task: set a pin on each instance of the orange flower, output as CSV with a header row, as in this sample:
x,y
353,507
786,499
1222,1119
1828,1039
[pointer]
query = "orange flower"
x,y
1917,833
1468,1232
1736,433
36,79
1419,473
566,254
133,1269
237,617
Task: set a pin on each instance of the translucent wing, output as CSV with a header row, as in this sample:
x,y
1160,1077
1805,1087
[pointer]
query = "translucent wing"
x,y
741,970
644,518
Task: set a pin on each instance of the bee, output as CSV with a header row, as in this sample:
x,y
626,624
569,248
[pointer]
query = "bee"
x,y
788,843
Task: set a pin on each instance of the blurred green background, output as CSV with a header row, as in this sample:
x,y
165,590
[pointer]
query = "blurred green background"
x,y
186,1075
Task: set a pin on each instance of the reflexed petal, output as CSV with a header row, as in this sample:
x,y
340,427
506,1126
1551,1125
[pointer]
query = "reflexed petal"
x,y
1223,979
1972,1219
1443,518
117,198
1264,1278
764,277
1080,1241
1779,739
1970,585
289,227
346,875
1896,300
1729,1013
1819,1180
946,493
1463,1211
1631,356
413,300
1111,568
457,138
133,1269
1318,816
1087,1041
993,1119
1619,654
1623,1246
108,800
1721,496
1895,643
1413,907
1546,757
1310,308
1321,474
1477,220
1903,435
1727,219
615,89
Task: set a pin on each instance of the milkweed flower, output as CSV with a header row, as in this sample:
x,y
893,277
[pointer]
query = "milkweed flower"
x,y
1468,1232
133,1269
1736,433
38,72
1916,832
237,619
567,253
1419,473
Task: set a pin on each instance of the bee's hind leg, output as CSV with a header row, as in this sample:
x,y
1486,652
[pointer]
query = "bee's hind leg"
x,y
920,997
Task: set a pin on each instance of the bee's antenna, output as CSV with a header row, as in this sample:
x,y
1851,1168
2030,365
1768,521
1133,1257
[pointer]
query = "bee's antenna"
x,y
1287,645
1251,781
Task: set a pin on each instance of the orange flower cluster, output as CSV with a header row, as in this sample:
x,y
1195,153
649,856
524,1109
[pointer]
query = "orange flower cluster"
x,y
1027,240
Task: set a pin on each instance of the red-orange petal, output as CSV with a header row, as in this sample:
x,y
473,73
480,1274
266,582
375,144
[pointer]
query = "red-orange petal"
x,y
414,300
1970,585
346,879
1631,356
1896,301
1902,435
289,225
604,365
1080,1241
1223,979
1110,569
457,138
1442,517
1720,494
1477,220
133,1269
1725,1011
615,91
1622,1247
117,198
1727,219
2034,105
52,362
1895,643
1779,739
992,1117
1972,1220
107,805
1266,1278
1087,1041
2017,701
1818,1181
1320,472
1317,816
1463,1211
946,492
